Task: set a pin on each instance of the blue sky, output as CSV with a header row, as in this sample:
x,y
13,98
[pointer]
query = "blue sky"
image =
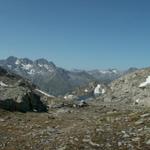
x,y
83,34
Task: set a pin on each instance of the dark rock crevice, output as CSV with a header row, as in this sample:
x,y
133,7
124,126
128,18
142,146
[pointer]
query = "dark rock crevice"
x,y
30,102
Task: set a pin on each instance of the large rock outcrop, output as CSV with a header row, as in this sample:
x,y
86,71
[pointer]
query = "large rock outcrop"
x,y
17,94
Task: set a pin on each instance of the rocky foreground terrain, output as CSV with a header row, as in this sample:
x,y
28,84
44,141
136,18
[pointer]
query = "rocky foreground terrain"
x,y
117,119
93,127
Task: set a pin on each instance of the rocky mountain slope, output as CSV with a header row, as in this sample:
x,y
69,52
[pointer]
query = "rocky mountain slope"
x,y
133,88
17,94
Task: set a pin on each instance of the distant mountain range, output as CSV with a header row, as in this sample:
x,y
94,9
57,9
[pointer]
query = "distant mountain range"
x,y
55,80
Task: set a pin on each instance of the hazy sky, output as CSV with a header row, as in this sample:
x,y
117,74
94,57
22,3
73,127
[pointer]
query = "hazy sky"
x,y
81,34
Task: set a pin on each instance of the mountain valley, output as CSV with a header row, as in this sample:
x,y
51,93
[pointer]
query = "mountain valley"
x,y
55,80
97,115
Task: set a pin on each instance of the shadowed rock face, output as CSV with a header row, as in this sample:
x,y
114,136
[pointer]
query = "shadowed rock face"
x,y
16,94
2,71
29,102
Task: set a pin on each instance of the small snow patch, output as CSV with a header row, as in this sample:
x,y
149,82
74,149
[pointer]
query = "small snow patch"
x,y
9,66
69,96
44,93
114,71
32,71
26,67
3,84
46,66
137,101
40,65
144,84
86,90
97,89
103,71
17,62
103,91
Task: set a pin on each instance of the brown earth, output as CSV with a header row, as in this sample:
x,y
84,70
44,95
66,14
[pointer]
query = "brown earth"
x,y
95,127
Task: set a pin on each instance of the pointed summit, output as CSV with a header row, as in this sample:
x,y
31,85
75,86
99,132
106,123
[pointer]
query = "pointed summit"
x,y
11,60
